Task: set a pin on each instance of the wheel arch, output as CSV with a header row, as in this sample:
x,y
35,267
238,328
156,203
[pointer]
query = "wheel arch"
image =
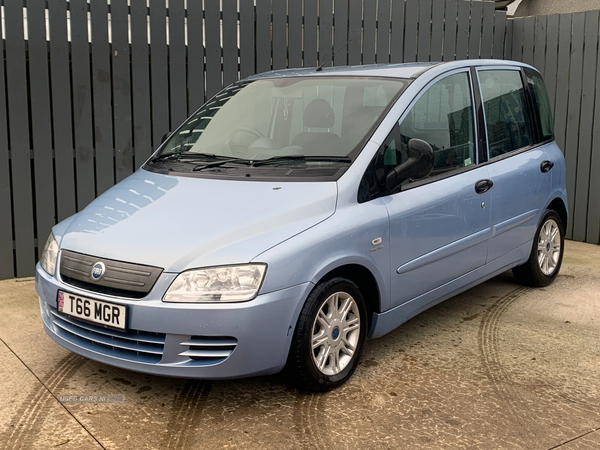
x,y
364,279
558,205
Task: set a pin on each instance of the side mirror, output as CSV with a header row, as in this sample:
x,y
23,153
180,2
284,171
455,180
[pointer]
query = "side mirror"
x,y
418,165
166,136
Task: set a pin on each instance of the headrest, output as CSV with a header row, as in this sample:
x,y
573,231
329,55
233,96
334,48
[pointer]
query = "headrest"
x,y
319,114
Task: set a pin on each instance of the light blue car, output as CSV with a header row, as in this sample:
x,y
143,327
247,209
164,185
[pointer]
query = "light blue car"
x,y
299,212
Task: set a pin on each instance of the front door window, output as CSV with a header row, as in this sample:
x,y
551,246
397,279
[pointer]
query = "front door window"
x,y
443,117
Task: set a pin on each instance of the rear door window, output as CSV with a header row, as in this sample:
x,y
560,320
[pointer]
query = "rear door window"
x,y
506,115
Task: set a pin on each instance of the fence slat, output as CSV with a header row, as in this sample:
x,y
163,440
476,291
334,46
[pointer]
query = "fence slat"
x,y
593,222
574,104
369,31
230,50
7,268
397,40
140,81
212,30
41,130
508,40
310,33
383,31
247,66
539,49
499,34
18,121
158,70
487,31
593,219
177,78
551,57
424,40
584,150
354,33
462,33
102,93
475,34
195,60
528,39
82,103
279,35
437,30
410,30
562,80
325,30
450,32
517,39
263,35
294,32
340,29
121,89
61,110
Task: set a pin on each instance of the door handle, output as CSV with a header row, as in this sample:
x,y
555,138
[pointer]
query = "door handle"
x,y
545,166
483,186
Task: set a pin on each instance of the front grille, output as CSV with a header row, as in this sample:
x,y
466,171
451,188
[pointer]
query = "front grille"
x,y
208,349
133,345
121,279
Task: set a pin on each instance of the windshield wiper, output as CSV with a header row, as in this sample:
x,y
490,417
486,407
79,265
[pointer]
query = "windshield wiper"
x,y
178,155
221,162
279,159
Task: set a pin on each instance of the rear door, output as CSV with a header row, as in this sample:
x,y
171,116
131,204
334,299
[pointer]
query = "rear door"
x,y
516,162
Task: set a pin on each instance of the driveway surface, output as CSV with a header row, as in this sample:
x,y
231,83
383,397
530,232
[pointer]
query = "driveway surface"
x,y
499,367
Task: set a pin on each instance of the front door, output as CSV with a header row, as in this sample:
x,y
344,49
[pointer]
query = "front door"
x,y
440,225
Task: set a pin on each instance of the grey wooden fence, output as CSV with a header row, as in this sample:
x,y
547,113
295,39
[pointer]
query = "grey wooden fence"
x,y
84,108
564,48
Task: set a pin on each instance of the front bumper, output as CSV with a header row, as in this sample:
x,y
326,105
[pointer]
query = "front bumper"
x,y
204,341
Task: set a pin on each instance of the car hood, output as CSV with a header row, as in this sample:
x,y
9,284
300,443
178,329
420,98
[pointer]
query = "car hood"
x,y
178,223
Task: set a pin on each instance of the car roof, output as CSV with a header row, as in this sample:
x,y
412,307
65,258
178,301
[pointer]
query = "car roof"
x,y
403,70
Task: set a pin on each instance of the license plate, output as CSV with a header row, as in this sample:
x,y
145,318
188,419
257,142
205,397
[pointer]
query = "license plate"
x,y
91,310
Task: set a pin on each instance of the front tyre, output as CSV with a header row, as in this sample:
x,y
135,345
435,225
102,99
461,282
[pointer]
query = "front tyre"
x,y
329,337
546,255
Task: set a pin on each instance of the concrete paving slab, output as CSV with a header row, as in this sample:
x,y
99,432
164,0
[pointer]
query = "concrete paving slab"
x,y
499,367
31,416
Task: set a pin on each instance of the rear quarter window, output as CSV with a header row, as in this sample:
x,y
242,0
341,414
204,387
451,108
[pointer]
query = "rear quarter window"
x,y
542,104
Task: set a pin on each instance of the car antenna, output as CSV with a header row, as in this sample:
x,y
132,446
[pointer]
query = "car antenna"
x,y
331,57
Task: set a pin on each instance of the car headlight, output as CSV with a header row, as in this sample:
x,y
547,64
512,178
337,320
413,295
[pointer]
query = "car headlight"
x,y
217,284
48,259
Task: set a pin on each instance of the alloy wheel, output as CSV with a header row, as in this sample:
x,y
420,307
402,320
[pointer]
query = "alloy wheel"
x,y
335,333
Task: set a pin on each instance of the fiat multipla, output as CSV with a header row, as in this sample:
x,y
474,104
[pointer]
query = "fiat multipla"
x,y
300,212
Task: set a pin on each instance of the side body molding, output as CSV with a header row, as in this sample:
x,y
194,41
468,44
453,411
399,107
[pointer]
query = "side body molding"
x,y
509,224
446,250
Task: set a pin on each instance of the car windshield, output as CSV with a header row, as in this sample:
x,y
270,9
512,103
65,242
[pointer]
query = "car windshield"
x,y
310,118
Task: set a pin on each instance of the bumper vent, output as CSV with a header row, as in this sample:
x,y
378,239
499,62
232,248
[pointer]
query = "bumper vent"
x,y
136,346
121,279
208,349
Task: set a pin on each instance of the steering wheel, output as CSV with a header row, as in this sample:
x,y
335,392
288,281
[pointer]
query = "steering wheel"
x,y
241,138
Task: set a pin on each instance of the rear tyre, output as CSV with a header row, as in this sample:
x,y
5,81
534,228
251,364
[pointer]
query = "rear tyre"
x,y
546,255
329,337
